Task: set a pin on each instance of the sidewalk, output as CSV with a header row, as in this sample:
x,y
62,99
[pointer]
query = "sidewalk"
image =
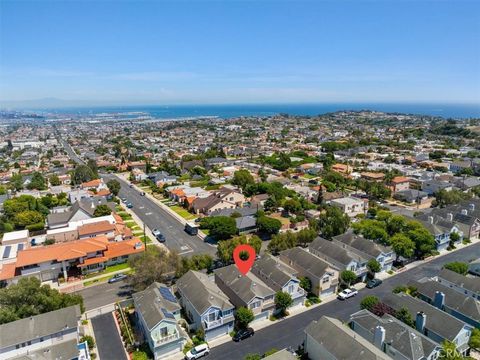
x,y
78,285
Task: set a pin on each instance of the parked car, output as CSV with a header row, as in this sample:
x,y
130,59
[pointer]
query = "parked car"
x,y
373,283
117,277
156,232
130,186
243,334
142,193
197,352
347,293
129,205
124,199
160,237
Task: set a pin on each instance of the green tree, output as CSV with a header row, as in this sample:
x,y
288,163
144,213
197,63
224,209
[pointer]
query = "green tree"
x,y
268,225
423,239
444,197
92,164
195,262
29,297
81,174
306,284
242,178
253,357
292,206
16,182
54,180
333,222
152,265
373,266
404,315
114,186
347,277
243,317
369,302
102,210
449,351
37,181
221,227
283,241
474,342
90,341
402,245
457,266
225,247
283,301
26,218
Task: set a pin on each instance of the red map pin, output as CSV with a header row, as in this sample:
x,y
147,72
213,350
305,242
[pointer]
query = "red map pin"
x,y
244,265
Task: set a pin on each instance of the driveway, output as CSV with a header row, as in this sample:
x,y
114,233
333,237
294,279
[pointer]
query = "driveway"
x,y
109,343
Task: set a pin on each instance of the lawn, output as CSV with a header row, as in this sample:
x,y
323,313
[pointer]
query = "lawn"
x,y
183,212
108,270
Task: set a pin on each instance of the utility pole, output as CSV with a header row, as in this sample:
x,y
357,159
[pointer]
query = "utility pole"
x,y
144,236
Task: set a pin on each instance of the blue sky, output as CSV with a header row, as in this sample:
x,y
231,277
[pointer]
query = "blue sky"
x,y
172,52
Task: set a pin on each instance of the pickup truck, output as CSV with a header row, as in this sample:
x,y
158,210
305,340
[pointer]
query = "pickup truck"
x,y
347,293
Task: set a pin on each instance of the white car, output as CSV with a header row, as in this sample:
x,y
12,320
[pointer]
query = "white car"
x,y
197,352
347,293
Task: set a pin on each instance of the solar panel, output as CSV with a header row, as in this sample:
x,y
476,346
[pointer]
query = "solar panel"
x,y
20,247
167,294
167,314
6,253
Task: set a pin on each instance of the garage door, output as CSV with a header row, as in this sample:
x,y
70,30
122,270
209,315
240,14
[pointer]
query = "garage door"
x,y
221,330
49,275
327,292
262,316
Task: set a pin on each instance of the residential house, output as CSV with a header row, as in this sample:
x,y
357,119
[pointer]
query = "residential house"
x,y
80,210
441,229
157,312
395,338
399,183
323,276
466,285
246,290
467,183
465,216
206,306
69,259
340,257
366,248
433,186
464,307
351,206
411,196
330,339
279,277
432,322
224,198
372,176
52,335
283,354
460,165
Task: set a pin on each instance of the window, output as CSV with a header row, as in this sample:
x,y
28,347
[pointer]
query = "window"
x,y
163,331
291,289
255,305
211,316
325,279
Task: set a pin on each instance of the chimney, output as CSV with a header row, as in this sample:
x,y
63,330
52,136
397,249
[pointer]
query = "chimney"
x,y
430,219
420,321
379,337
439,300
450,217
472,207
464,211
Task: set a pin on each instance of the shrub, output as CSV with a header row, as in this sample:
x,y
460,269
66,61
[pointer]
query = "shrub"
x,y
90,341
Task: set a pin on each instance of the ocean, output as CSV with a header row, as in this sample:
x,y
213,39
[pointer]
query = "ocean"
x,y
458,111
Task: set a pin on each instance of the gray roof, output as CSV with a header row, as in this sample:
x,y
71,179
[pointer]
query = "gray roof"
x,y
66,350
436,319
281,355
300,258
244,211
34,327
336,252
341,341
202,292
361,245
246,222
269,270
461,303
87,205
468,283
401,337
246,287
154,306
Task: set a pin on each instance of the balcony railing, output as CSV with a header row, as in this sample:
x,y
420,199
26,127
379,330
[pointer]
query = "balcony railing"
x,y
167,338
212,324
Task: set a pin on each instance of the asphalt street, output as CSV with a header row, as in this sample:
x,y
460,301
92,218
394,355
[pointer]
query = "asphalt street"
x,y
104,294
109,344
155,217
289,332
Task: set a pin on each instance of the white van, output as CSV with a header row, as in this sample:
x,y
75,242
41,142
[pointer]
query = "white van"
x,y
197,352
